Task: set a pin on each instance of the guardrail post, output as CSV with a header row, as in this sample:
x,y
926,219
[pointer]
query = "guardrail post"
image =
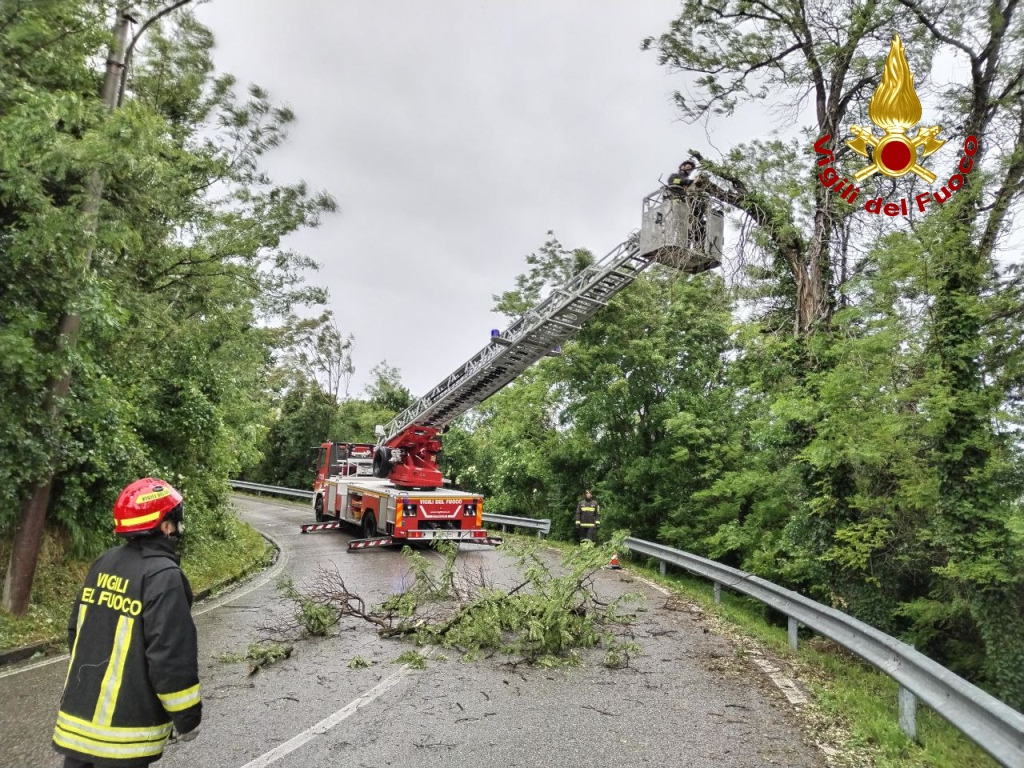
x,y
540,534
718,593
794,625
662,567
908,713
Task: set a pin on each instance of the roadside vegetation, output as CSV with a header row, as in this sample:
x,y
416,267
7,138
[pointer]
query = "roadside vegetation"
x,y
148,311
839,408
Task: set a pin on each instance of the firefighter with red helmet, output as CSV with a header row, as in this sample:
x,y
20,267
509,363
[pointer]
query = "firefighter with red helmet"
x,y
133,677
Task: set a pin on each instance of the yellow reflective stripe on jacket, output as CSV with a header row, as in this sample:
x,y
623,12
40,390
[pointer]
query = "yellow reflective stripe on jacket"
x,y
179,700
587,525
76,726
98,748
78,634
111,684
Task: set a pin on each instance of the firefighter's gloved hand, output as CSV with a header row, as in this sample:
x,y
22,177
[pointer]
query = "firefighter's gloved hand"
x,y
175,736
577,523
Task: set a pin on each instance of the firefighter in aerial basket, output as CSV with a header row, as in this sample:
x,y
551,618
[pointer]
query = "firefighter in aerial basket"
x,y
133,677
680,180
588,517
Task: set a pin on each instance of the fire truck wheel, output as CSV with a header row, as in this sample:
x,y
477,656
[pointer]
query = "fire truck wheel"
x,y
381,462
318,509
369,525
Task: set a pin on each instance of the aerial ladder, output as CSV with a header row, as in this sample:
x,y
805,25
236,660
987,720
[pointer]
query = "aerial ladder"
x,y
673,232
393,490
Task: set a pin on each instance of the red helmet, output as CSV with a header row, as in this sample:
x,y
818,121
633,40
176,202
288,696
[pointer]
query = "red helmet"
x,y
142,506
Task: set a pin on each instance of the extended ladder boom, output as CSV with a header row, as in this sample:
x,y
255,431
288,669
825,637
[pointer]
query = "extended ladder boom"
x,y
526,341
666,237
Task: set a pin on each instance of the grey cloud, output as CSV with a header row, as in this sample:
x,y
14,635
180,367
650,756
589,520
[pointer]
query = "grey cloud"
x,y
454,135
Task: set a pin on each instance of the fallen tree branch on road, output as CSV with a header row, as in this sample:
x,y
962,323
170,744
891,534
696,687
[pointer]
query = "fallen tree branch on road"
x,y
545,619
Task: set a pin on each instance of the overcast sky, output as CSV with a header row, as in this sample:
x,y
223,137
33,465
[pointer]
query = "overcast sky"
x,y
454,135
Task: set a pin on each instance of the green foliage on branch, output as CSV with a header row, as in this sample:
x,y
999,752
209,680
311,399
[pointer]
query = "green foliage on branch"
x,y
259,655
310,617
551,615
412,659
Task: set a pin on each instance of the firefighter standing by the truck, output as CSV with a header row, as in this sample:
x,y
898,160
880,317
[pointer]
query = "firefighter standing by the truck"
x,y
587,517
133,676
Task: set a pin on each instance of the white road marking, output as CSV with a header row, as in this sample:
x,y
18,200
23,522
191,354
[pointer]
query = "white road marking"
x,y
328,722
35,665
282,561
785,684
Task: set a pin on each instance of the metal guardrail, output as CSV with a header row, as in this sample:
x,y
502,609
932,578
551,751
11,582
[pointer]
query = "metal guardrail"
x,y
992,725
541,526
244,485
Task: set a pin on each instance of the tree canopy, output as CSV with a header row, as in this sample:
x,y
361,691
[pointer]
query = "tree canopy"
x,y
144,267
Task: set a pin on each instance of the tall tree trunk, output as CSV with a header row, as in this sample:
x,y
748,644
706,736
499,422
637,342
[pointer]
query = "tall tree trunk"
x,y
28,535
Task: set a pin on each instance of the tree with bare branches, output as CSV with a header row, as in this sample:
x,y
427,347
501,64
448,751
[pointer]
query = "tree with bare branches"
x,y
316,348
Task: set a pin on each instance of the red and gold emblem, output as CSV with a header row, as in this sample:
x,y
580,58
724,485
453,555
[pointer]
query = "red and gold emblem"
x,y
895,108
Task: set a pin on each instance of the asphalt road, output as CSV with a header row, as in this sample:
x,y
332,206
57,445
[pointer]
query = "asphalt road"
x,y
687,700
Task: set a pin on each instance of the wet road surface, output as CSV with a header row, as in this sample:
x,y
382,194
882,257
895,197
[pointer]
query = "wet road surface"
x,y
686,700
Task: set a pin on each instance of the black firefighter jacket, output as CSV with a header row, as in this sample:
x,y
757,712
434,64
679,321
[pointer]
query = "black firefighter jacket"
x,y
680,179
134,664
588,513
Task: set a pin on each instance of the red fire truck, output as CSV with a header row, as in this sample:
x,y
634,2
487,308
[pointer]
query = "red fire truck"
x,y
347,492
393,490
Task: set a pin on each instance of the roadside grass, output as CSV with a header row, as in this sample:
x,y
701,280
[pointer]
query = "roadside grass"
x,y
58,578
859,700
210,561
239,551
